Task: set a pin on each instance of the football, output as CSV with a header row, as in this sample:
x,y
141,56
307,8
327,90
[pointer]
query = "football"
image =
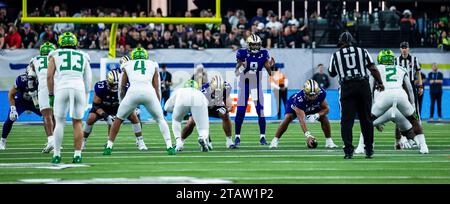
x,y
312,143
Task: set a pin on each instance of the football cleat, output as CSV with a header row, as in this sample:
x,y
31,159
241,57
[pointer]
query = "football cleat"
x,y
230,145
76,160
210,146
274,143
360,149
2,144
330,145
56,160
141,145
262,141
107,151
203,145
179,146
171,151
48,148
237,141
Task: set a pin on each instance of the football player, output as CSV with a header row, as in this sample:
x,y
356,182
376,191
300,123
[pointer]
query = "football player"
x,y
250,62
105,105
20,98
39,66
217,92
69,79
309,103
389,104
143,77
189,100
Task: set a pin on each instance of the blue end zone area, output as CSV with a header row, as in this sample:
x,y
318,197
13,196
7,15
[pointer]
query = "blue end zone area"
x,y
332,98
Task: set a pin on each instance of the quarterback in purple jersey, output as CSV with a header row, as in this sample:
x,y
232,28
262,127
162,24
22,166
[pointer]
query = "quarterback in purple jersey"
x,y
20,99
309,103
105,105
250,62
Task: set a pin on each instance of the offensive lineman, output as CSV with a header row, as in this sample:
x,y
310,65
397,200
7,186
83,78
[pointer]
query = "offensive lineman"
x,y
250,62
69,79
217,92
39,65
105,105
143,77
310,103
189,100
388,102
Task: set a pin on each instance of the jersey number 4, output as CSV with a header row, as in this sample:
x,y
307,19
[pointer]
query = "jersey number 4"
x,y
67,61
140,65
390,72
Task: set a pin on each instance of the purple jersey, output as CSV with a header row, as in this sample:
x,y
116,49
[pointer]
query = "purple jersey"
x,y
110,99
21,85
214,100
255,62
300,101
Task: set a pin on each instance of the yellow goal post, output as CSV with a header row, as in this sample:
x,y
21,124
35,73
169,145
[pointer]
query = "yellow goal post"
x,y
116,20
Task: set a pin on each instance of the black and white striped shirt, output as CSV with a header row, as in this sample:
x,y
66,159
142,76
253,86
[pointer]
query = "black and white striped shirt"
x,y
410,63
350,62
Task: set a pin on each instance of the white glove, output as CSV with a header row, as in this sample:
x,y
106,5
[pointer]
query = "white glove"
x,y
110,119
308,134
313,118
222,110
404,144
13,115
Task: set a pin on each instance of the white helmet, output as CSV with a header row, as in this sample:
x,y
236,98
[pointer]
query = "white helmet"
x,y
217,84
254,43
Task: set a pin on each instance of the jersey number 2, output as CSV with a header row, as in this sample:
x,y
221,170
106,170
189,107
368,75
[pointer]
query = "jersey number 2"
x,y
140,65
390,72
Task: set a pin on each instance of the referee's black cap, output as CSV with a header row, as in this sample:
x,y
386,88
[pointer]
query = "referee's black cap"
x,y
404,44
345,38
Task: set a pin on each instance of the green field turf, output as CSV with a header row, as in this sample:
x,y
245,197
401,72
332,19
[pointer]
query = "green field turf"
x,y
293,162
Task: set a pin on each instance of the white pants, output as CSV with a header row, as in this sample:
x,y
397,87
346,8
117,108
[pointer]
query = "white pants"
x,y
72,99
199,114
394,115
43,98
140,96
388,98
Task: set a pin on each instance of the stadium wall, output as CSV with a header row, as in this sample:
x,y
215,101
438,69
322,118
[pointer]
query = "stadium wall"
x,y
297,64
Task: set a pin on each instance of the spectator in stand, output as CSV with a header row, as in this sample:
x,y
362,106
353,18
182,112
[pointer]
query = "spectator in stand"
x,y
167,41
29,37
144,40
259,17
104,39
242,24
47,35
223,33
83,40
217,42
199,42
243,40
13,39
63,27
2,37
3,16
444,41
208,38
155,39
93,40
321,78
264,35
132,40
274,24
288,38
407,24
232,42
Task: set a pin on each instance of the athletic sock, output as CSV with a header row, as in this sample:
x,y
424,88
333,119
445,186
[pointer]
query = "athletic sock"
x,y
77,153
57,152
237,136
139,138
50,139
109,144
262,135
229,140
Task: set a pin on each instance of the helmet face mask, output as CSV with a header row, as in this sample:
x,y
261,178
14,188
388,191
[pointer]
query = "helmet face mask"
x,y
113,80
217,86
254,43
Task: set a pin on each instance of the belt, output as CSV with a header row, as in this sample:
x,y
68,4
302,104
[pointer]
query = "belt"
x,y
354,78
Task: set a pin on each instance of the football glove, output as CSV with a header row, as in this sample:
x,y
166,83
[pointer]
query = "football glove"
x,y
13,115
313,118
404,144
110,119
222,110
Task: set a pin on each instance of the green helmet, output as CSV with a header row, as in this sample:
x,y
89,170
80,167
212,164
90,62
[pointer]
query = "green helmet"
x,y
191,83
67,39
46,48
139,53
386,57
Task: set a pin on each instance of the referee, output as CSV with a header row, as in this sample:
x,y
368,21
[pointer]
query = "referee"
x,y
352,64
411,64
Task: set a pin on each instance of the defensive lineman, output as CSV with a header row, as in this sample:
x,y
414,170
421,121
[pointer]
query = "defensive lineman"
x,y
395,99
142,75
189,100
217,92
39,65
69,79
250,62
310,103
105,105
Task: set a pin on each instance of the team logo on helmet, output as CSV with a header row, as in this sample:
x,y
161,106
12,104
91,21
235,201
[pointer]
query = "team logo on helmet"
x,y
46,48
311,88
191,83
254,43
113,80
67,39
386,57
139,53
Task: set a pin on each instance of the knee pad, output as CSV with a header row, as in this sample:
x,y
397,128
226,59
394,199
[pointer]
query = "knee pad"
x,y
137,127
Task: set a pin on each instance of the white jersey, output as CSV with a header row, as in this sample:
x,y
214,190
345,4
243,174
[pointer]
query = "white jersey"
x,y
72,69
40,64
187,97
140,72
393,76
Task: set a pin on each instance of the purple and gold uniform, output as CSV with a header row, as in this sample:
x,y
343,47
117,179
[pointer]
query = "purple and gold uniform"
x,y
300,101
110,99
